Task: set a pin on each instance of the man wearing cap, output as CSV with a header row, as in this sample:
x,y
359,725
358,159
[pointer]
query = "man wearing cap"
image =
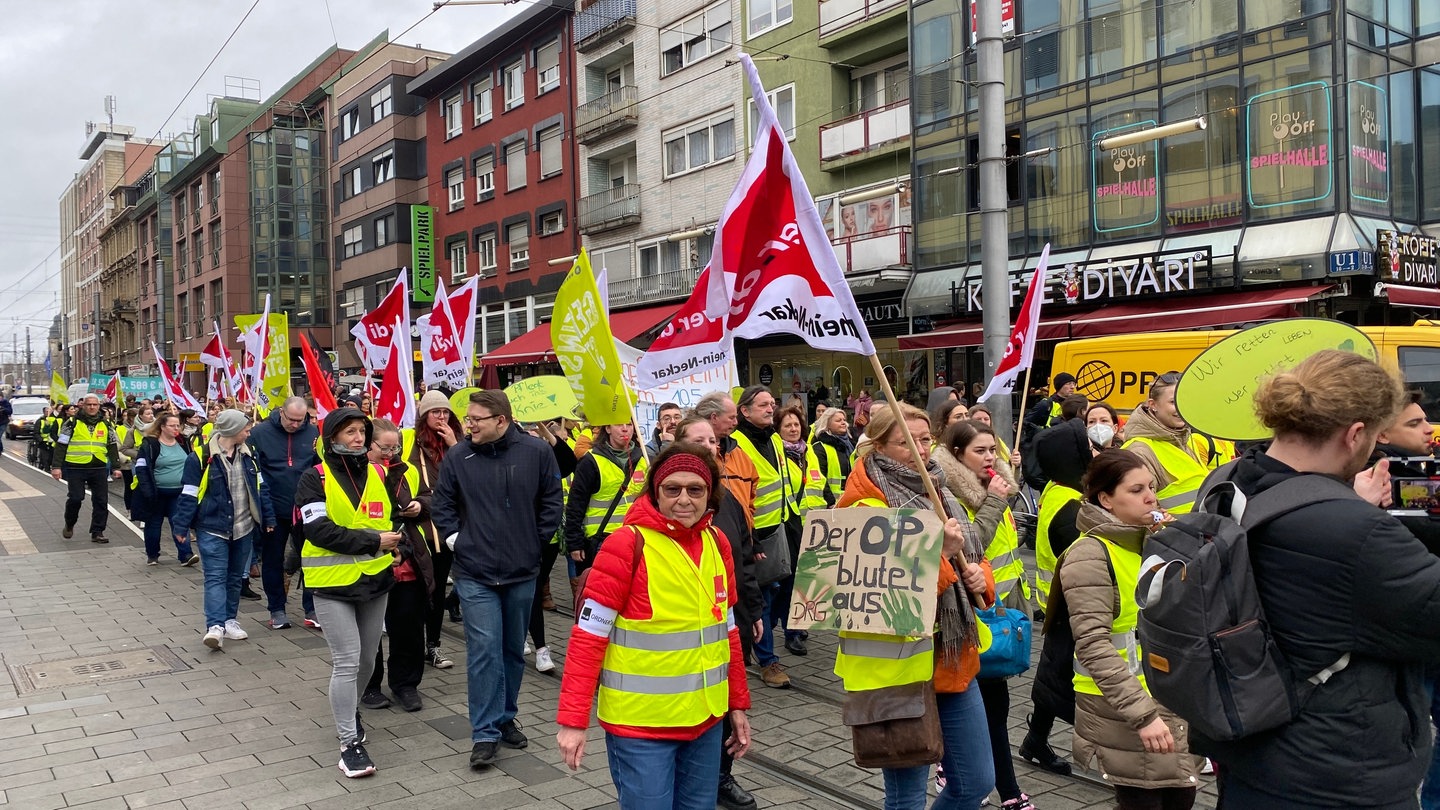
x,y
284,447
85,454
1046,412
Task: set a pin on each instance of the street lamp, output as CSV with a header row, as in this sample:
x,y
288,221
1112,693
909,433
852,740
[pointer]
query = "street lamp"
x,y
1151,134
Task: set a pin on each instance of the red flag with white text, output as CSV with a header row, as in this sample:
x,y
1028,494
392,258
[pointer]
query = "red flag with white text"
x,y
441,358
373,331
396,400
173,390
1020,351
256,341
112,388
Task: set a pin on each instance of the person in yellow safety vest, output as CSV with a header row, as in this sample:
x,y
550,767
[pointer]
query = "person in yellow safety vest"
x,y
127,439
606,481
44,438
833,449
1141,747
87,450
982,484
1212,452
657,639
351,511
1007,456
887,475
803,467
1046,412
775,501
1159,436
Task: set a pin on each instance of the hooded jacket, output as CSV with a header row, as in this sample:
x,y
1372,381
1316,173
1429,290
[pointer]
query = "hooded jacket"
x,y
283,456
1337,577
1107,726
321,530
216,514
498,505
1142,424
1064,454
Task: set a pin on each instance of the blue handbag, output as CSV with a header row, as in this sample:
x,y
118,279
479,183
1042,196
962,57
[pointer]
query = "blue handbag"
x,y
1008,651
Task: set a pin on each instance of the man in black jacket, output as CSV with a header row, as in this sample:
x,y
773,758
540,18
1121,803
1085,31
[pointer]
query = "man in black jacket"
x,y
496,504
85,455
285,447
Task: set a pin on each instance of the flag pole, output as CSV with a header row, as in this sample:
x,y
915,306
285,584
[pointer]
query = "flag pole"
x,y
905,433
1020,427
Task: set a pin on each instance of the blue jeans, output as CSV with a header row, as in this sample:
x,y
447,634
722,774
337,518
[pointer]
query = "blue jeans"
x,y
765,643
157,511
225,562
665,774
1430,788
969,770
495,624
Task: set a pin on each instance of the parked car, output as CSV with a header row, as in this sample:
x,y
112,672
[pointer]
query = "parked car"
x,y
27,411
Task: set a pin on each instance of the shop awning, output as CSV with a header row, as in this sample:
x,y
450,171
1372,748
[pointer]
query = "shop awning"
x,y
1402,296
1198,312
535,347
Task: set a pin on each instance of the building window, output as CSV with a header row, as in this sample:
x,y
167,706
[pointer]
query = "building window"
x,y
381,104
515,85
484,177
699,144
457,261
182,311
455,182
352,239
452,117
215,246
876,86
547,68
768,14
515,166
485,253
384,230
214,184
352,302
349,124
483,93
384,167
550,156
217,299
783,100
695,38
518,237
356,182
552,223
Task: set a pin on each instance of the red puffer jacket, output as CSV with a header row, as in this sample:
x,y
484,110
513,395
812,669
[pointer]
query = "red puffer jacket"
x,y
620,582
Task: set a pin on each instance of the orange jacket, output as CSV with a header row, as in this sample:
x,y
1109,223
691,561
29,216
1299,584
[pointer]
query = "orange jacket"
x,y
738,474
948,679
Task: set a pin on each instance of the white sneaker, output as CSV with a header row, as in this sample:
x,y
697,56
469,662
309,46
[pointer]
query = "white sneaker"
x,y
215,637
542,660
233,630
529,648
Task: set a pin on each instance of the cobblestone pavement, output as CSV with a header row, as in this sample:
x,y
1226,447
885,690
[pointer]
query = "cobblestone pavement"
x,y
156,720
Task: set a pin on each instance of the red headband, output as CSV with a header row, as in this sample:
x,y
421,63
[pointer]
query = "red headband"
x,y
684,462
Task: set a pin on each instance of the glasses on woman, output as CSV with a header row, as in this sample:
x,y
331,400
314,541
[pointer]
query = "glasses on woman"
x,y
695,491
386,449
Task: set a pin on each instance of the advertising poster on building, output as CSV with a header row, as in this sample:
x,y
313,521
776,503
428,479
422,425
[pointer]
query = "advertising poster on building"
x,y
1289,141
1409,259
868,571
276,379
422,254
1369,131
1126,183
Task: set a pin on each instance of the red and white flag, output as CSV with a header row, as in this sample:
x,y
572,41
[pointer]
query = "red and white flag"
x,y
256,342
396,401
772,270
373,331
212,384
319,382
175,392
112,388
1020,351
442,351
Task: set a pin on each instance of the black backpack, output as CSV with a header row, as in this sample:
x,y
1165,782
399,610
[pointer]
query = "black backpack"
x,y
1208,654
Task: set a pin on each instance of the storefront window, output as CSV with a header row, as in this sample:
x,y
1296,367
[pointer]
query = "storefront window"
x,y
1368,130
1201,170
1122,33
1265,13
1052,52
1125,194
1289,126
1185,24
1057,183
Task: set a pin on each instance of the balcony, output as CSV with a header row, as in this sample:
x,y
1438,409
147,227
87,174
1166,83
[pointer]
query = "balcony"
x,y
881,250
611,208
601,21
609,113
669,285
837,15
871,133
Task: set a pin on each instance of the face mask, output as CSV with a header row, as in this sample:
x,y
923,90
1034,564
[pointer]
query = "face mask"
x,y
1101,434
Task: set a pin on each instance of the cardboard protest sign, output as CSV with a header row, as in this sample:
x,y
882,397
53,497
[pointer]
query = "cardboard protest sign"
x,y
536,399
868,571
1216,393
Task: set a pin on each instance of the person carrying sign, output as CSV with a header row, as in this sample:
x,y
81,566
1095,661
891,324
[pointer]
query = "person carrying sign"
x,y
887,475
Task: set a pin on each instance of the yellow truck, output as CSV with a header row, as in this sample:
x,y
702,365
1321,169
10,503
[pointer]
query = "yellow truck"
x,y
1119,369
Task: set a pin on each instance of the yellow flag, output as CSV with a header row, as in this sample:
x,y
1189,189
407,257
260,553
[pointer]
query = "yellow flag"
x,y
580,332
59,391
275,376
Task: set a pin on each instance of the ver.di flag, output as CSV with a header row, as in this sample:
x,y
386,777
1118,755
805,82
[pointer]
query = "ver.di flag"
x,y
113,389
373,331
580,332
255,339
441,356
173,390
396,400
1020,351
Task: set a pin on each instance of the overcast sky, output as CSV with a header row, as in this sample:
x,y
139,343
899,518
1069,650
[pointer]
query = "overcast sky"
x,y
60,58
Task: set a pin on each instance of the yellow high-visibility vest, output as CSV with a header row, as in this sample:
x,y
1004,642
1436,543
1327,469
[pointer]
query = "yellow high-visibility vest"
x,y
328,569
612,478
672,669
1052,499
87,445
829,459
1185,472
1122,628
1003,552
1215,452
773,484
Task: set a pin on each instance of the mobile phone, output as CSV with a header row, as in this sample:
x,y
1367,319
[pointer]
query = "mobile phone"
x,y
1415,496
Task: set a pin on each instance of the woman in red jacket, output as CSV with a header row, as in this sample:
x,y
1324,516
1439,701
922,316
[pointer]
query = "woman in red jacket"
x,y
667,574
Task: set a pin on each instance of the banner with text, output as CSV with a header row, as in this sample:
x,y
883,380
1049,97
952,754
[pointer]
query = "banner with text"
x,y
683,391
275,377
145,387
422,253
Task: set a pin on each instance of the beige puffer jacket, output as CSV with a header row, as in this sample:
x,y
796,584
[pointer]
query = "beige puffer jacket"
x,y
1107,726
1143,425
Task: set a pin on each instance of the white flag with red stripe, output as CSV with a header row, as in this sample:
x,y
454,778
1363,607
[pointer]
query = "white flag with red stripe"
x,y
396,400
173,390
1020,351
373,331
256,341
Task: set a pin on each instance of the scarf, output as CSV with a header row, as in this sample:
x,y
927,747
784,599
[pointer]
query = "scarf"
x,y
904,488
795,450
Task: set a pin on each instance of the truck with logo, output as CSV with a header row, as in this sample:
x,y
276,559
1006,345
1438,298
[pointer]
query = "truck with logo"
x,y
1119,369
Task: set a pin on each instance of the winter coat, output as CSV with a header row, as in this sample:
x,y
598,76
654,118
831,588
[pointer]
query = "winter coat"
x,y
619,581
583,486
738,474
730,520
284,457
965,485
1107,726
1064,454
216,514
498,505
1341,577
1143,425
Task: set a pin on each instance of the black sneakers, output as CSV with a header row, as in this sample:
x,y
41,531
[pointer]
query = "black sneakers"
x,y
510,735
354,761
409,699
374,699
483,754
245,590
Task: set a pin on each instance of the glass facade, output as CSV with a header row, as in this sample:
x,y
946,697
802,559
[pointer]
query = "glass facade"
x,y
290,253
1313,108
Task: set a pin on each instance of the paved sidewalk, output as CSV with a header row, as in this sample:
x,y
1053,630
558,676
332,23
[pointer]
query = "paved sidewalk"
x,y
157,720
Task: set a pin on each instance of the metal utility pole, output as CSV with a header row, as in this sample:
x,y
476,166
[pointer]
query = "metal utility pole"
x,y
29,359
994,213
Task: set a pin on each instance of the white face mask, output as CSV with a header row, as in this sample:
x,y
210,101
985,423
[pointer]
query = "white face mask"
x,y
1101,434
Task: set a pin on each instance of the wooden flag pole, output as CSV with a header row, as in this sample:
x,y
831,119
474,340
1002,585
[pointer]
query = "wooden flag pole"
x,y
1020,426
905,432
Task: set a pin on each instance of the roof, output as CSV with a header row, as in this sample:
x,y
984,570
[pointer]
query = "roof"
x,y
498,42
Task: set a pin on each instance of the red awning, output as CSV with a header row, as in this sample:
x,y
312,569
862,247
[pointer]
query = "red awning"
x,y
1401,296
535,346
1217,310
